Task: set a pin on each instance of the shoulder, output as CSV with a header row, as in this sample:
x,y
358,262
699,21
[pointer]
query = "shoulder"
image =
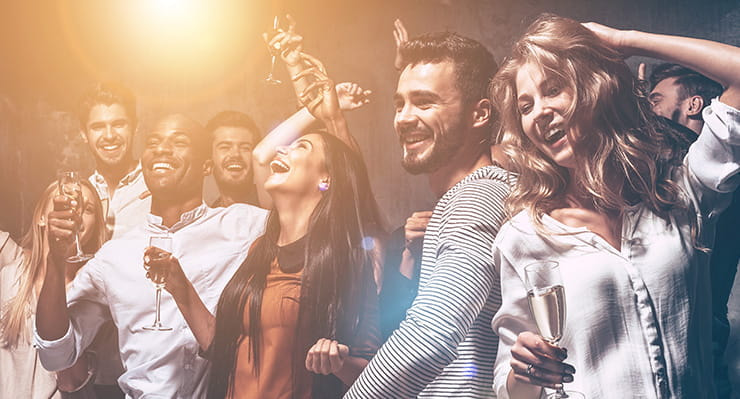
x,y
240,219
10,252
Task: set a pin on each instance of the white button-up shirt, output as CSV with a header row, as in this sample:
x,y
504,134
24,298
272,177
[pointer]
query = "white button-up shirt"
x,y
638,320
210,244
129,205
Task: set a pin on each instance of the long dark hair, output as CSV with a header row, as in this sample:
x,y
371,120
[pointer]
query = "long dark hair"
x,y
336,268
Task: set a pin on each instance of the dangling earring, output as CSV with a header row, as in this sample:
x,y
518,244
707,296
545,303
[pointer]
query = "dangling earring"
x,y
323,185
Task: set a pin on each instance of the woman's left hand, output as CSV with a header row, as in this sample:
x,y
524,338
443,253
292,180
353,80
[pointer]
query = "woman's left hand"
x,y
326,356
319,97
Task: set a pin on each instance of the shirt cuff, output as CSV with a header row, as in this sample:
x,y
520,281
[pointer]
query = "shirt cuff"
x,y
55,355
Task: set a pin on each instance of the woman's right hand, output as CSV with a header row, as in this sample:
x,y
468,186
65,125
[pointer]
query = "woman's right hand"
x,y
536,362
62,223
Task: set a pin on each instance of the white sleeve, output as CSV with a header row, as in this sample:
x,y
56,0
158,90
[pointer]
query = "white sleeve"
x,y
713,161
87,311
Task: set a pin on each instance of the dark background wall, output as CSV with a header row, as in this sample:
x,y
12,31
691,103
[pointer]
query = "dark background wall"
x,y
200,57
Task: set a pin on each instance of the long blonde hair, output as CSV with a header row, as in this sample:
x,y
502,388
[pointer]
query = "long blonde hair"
x,y
617,166
15,313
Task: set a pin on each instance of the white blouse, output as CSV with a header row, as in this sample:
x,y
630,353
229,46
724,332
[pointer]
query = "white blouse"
x,y
638,319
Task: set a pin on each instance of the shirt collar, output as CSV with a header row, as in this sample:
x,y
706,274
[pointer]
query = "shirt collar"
x,y
154,222
125,181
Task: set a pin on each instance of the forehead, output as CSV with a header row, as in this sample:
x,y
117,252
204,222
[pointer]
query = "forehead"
x,y
176,125
666,86
102,112
438,77
233,134
528,78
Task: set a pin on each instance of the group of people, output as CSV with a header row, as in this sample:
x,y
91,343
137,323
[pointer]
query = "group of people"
x,y
560,154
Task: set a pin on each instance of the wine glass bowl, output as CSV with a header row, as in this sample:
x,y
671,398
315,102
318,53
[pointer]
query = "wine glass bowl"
x,y
546,297
68,184
274,52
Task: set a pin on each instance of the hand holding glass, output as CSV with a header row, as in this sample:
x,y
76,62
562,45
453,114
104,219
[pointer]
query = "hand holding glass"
x,y
162,249
546,297
69,186
274,51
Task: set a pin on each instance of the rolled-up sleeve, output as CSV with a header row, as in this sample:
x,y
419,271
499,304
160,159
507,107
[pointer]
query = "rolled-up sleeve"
x,y
87,312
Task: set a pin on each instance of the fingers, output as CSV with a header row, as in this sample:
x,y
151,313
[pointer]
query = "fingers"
x,y
313,61
536,362
403,35
291,22
326,356
310,72
641,71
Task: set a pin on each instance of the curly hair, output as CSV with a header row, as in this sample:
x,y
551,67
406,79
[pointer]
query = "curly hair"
x,y
624,154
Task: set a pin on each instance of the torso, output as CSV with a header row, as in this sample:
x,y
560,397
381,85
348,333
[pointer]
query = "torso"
x,y
607,226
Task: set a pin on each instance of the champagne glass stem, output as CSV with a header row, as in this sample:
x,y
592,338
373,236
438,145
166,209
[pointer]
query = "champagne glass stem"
x,y
157,321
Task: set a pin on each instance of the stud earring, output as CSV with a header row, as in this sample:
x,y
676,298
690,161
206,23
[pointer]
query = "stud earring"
x,y
323,185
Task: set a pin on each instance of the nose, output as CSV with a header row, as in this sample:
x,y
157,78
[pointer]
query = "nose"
x,y
543,113
405,117
163,147
282,150
108,134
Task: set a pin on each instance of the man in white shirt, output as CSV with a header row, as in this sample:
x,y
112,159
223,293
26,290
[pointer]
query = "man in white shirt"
x,y
209,243
108,122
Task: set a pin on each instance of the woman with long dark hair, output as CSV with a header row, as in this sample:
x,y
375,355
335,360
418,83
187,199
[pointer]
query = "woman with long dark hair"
x,y
601,192
299,317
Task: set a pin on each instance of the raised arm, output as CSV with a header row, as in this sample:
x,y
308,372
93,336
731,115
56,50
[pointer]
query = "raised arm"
x,y
718,61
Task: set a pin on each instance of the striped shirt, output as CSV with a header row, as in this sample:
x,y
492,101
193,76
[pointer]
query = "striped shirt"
x,y
445,347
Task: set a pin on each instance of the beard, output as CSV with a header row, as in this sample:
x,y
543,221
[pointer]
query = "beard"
x,y
444,147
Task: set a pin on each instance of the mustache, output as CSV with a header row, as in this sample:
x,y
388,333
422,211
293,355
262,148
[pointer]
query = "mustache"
x,y
230,161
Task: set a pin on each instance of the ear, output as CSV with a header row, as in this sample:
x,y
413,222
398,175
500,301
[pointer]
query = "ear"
x,y
695,105
482,112
207,167
83,135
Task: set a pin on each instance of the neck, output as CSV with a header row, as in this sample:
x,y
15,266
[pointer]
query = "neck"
x,y
170,210
234,194
466,161
112,174
696,125
294,216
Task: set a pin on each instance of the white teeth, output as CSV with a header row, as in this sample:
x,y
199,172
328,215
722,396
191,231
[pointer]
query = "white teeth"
x,y
554,135
414,139
110,147
279,166
162,165
234,167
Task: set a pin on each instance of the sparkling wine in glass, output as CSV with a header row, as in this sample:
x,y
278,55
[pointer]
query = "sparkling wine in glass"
x,y
69,186
163,249
274,51
546,297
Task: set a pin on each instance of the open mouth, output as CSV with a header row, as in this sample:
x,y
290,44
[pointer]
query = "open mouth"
x,y
553,135
162,167
110,147
234,167
278,166
413,139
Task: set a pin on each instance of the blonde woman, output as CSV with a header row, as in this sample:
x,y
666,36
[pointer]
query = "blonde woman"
x,y
600,194
21,274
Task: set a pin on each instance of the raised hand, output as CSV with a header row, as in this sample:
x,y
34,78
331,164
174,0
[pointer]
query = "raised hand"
x,y
536,362
62,223
288,43
326,356
401,37
351,96
614,38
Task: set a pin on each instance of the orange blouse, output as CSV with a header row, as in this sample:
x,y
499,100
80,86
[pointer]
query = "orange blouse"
x,y
279,316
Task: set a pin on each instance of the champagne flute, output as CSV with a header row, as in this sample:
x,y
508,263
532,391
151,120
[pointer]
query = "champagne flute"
x,y
163,246
546,297
274,50
69,186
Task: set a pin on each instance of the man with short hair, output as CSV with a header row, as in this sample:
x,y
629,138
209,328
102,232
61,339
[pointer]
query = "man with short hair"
x,y
681,94
233,136
209,244
445,347
107,114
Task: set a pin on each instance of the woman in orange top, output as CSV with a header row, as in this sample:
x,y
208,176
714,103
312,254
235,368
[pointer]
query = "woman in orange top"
x,y
299,317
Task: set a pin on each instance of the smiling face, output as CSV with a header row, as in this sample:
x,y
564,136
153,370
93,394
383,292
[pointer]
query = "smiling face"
x,y
299,168
109,133
543,103
430,116
173,159
231,156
